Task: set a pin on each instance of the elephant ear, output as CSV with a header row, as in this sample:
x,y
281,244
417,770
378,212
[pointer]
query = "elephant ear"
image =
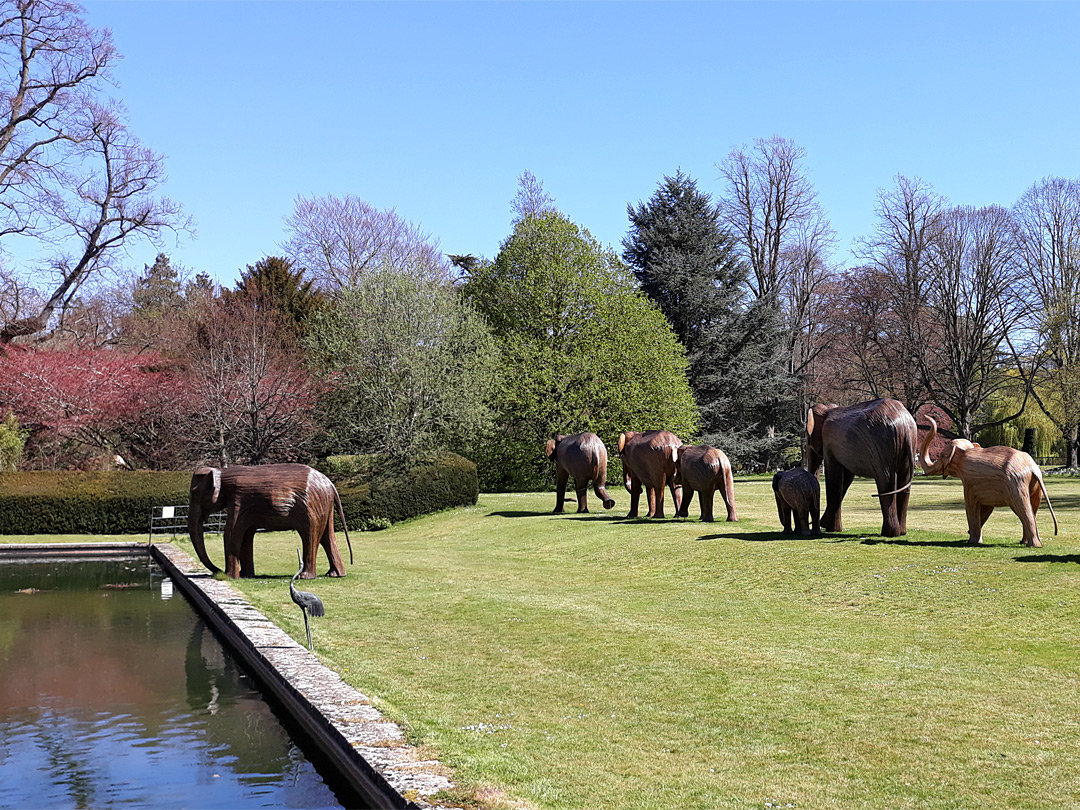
x,y
216,473
549,449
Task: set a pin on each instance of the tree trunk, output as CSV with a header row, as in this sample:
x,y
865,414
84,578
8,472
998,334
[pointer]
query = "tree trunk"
x,y
1029,441
1071,447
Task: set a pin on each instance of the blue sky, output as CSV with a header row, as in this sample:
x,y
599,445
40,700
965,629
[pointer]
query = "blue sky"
x,y
435,109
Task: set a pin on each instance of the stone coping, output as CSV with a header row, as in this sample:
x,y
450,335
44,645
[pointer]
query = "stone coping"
x,y
368,751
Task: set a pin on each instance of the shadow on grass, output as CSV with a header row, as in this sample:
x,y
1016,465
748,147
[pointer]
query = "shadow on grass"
x,y
509,513
1050,558
622,519
899,541
759,537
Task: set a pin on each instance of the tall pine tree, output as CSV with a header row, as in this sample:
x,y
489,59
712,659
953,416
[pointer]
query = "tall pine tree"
x,y
688,264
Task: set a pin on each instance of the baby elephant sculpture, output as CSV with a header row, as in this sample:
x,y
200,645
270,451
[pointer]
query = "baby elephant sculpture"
x,y
649,461
992,476
584,457
704,469
272,496
798,492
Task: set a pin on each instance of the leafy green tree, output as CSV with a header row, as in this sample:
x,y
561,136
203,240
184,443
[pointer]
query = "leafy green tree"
x,y
12,440
581,349
409,365
689,265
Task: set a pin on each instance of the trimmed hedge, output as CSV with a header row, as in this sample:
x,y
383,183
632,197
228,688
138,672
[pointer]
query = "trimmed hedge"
x,y
374,494
86,502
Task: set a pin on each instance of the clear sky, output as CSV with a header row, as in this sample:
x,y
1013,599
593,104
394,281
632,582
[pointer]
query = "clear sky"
x,y
435,109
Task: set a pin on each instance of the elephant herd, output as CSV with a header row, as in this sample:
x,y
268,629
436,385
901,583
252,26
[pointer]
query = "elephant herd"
x,y
875,439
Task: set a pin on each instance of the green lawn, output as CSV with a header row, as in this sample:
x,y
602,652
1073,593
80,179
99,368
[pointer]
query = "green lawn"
x,y
566,661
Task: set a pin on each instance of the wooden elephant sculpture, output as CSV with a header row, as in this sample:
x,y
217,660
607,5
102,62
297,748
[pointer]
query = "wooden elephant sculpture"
x,y
798,493
649,461
874,439
583,456
272,496
992,476
705,470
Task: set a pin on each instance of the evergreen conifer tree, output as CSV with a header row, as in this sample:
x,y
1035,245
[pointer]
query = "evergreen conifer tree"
x,y
688,264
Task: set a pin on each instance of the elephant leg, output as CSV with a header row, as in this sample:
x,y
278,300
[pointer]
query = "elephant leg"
x,y
561,477
634,488
687,499
782,512
815,517
601,490
233,535
707,497
837,481
247,553
902,499
328,541
656,501
893,518
977,515
1024,511
582,491
676,494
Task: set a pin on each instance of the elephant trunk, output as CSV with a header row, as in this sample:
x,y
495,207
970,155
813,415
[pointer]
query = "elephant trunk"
x,y
195,530
931,467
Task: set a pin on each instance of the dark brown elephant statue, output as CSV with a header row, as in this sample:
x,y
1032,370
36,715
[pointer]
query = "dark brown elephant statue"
x,y
272,496
704,470
584,457
874,439
649,461
798,493
992,476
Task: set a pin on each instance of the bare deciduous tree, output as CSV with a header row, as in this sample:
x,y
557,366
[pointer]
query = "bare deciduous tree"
x,y
71,175
53,65
339,239
1048,233
972,297
910,218
531,199
769,202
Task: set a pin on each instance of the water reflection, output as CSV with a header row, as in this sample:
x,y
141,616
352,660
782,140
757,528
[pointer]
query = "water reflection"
x,y
111,695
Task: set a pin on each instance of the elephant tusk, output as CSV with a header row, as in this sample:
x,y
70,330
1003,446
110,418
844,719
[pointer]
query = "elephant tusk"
x,y
894,492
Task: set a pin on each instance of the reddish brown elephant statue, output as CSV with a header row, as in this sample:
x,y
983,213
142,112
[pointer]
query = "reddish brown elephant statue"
x,y
705,470
583,456
649,461
992,476
874,439
275,497
798,493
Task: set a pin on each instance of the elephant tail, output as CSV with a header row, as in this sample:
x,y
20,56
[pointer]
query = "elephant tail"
x,y
1050,506
894,492
344,525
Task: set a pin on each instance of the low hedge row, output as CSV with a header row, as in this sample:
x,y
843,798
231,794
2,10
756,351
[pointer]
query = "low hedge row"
x,y
86,502
374,494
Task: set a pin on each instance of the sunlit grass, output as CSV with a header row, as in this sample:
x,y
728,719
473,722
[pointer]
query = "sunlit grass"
x,y
588,661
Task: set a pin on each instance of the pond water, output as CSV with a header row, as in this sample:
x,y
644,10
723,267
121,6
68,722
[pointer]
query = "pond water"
x,y
114,692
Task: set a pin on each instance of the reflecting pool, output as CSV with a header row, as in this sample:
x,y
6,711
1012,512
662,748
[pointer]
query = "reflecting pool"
x,y
114,692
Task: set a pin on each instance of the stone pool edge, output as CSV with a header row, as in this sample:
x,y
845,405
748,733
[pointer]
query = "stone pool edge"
x,y
368,751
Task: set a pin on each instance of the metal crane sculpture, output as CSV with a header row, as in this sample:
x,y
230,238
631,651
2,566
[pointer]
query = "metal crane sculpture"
x,y
308,602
